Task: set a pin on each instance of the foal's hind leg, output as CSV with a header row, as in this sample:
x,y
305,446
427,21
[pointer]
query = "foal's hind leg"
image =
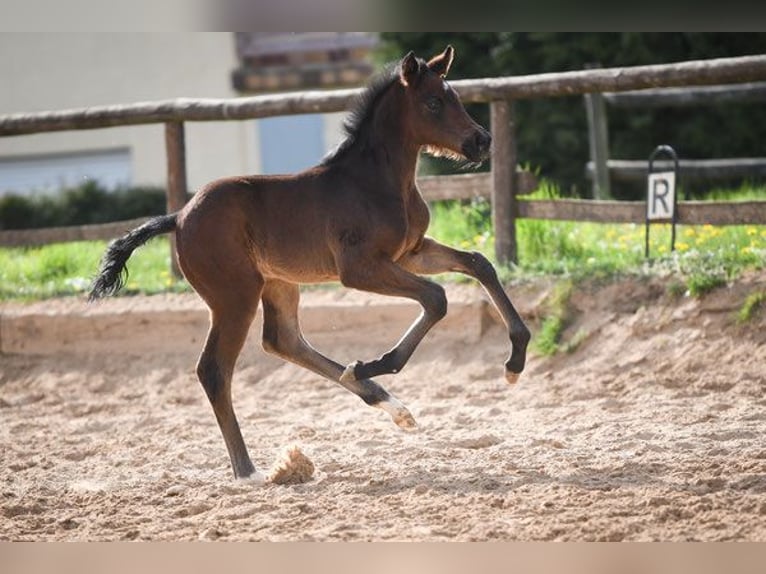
x,y
282,336
230,322
433,257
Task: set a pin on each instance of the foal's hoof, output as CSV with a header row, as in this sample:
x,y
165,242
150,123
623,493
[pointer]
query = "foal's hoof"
x,y
511,377
399,413
405,420
349,374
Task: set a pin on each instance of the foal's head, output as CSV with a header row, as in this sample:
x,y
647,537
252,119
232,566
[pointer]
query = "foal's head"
x,y
436,118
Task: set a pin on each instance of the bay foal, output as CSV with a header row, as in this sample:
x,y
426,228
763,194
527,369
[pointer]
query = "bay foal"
x,y
358,217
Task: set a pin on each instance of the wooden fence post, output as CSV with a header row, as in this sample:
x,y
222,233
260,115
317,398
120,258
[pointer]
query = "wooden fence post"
x,y
175,148
598,139
503,126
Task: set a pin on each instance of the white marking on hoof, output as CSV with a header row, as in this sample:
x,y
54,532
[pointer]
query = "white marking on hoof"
x,y
256,479
399,413
348,375
511,377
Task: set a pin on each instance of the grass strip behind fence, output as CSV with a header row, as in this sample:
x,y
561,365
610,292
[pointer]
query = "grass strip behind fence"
x,y
705,256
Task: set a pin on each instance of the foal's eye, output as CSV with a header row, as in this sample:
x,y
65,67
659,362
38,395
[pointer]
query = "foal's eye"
x,y
434,105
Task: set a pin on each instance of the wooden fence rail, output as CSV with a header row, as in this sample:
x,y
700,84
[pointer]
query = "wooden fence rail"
x,y
682,97
694,73
689,212
690,169
503,185
44,236
433,188
603,171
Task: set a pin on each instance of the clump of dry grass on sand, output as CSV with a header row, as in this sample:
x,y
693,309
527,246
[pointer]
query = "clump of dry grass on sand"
x,y
292,467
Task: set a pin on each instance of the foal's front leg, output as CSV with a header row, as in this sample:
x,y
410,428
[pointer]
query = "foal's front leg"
x,y
379,275
433,257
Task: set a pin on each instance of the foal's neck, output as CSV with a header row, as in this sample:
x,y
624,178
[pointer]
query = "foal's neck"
x,y
395,152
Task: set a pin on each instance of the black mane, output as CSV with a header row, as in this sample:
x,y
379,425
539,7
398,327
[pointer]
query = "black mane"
x,y
361,112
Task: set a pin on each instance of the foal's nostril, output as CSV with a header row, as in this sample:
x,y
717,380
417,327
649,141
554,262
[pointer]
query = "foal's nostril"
x,y
476,147
482,140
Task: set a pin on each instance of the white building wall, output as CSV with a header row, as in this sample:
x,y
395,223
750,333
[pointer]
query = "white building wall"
x,y
51,71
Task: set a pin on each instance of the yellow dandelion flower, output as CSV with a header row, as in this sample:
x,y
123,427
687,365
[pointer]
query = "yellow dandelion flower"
x,y
690,232
682,246
751,231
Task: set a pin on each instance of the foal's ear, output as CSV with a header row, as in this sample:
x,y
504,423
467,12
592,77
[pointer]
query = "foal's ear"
x,y
441,63
409,69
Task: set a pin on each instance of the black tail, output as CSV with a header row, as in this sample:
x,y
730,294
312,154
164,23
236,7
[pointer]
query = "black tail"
x,y
113,273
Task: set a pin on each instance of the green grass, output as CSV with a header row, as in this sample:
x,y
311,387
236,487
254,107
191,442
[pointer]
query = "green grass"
x,y
705,256
753,303
546,340
68,268
465,225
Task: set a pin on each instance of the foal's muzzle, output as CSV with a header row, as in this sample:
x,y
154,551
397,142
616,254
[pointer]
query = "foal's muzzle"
x,y
476,147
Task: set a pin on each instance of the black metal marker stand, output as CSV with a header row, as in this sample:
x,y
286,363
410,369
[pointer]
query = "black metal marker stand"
x,y
660,207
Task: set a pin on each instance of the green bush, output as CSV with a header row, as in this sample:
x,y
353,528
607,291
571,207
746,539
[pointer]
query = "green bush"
x,y
82,205
15,210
